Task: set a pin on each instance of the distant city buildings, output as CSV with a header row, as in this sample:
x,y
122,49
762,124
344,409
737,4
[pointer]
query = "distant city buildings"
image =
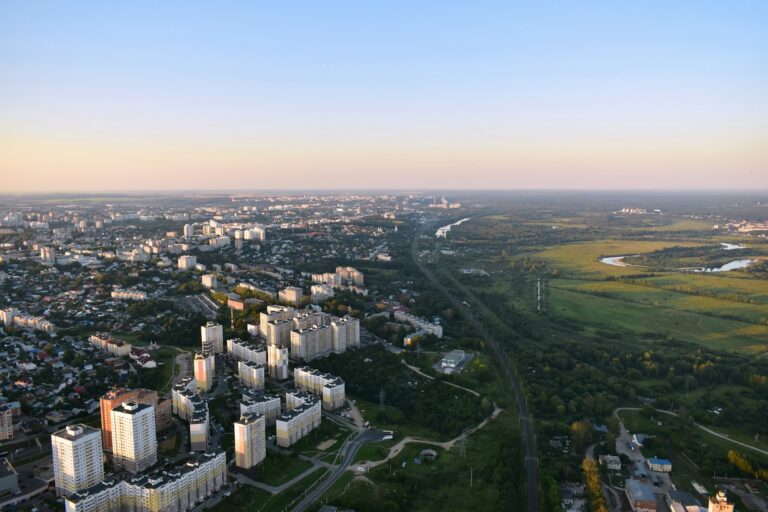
x,y
187,262
109,344
291,295
120,294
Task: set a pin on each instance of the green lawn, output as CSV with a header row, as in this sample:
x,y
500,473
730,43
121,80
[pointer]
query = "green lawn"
x,y
278,469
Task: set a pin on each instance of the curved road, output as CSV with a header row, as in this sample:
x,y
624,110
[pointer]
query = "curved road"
x,y
529,441
350,450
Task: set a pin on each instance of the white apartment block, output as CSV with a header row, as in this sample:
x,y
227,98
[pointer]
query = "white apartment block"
x,y
291,295
420,323
109,344
78,462
277,362
308,344
210,281
254,402
251,374
177,489
240,350
298,422
134,442
275,312
198,430
212,338
278,332
306,318
250,441
187,262
179,396
330,388
189,230
204,367
321,292
345,333
120,294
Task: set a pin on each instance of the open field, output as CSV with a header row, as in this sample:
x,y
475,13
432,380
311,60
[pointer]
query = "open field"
x,y
662,298
607,313
583,258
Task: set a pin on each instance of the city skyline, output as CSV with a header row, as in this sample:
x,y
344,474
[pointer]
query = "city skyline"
x,y
489,96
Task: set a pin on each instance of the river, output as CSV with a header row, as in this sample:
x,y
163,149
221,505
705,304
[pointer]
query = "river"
x,y
443,231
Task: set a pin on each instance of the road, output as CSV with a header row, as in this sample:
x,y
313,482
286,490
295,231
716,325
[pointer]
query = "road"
x,y
349,450
418,370
529,441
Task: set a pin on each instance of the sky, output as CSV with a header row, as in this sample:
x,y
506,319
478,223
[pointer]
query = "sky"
x,y
139,95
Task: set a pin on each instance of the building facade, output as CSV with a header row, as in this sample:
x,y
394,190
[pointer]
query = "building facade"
x,y
78,462
250,441
251,374
212,338
134,440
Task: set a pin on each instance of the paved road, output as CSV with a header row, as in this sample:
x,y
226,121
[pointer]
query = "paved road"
x,y
349,450
529,441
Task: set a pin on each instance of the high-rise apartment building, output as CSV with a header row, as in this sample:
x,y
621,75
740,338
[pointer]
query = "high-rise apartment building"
x,y
251,374
274,312
250,442
329,388
299,421
78,462
134,441
187,262
204,365
115,397
255,402
6,422
212,337
310,343
345,333
168,489
277,361
291,295
240,350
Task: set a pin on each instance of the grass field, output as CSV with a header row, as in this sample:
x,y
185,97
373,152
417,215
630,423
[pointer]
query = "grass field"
x,y
663,298
612,314
583,258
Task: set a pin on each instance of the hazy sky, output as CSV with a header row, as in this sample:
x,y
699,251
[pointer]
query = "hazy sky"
x,y
362,94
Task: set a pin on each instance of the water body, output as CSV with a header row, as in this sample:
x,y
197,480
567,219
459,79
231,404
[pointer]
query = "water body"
x,y
443,231
731,265
731,247
618,261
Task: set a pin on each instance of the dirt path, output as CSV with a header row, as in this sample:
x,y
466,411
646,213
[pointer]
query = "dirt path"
x,y
395,450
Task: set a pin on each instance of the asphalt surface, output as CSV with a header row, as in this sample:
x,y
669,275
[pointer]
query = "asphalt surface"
x,y
529,441
350,450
